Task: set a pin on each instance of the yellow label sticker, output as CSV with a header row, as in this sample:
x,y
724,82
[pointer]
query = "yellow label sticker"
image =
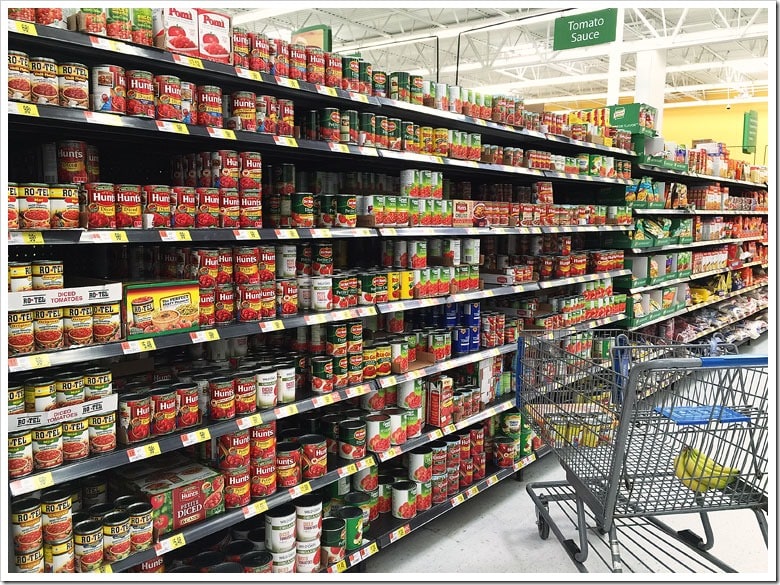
x,y
177,541
351,469
194,437
328,398
373,548
25,28
260,507
275,325
221,133
305,488
331,91
34,362
285,141
32,238
43,480
246,234
175,127
343,148
23,109
152,449
358,97
106,569
138,346
341,566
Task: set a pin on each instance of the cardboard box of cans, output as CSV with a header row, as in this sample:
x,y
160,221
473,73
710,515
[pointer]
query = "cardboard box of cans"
x,y
151,309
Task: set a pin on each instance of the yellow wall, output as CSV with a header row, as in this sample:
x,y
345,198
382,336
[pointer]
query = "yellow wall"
x,y
683,125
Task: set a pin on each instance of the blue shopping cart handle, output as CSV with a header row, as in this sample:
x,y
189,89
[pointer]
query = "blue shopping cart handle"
x,y
736,361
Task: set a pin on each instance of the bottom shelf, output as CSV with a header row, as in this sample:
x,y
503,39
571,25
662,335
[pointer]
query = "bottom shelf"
x,y
386,529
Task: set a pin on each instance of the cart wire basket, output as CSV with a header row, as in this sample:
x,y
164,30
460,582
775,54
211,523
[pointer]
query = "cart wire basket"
x,y
644,427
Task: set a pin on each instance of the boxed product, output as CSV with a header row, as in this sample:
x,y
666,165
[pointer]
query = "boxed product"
x,y
176,30
214,36
182,493
156,308
462,213
439,402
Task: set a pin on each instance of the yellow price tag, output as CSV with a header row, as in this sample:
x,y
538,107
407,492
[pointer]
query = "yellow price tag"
x,y
373,548
351,469
328,398
177,541
326,90
276,325
246,234
24,109
25,28
175,127
194,62
285,141
147,345
341,566
221,133
343,148
305,488
119,237
292,410
248,74
195,437
260,507
152,449
212,335
39,361
106,569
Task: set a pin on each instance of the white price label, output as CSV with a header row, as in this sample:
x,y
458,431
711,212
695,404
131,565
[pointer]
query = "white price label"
x,y
195,437
221,133
203,336
138,346
331,91
144,452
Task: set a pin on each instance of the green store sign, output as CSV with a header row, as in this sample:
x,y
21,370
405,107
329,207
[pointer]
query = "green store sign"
x,y
585,30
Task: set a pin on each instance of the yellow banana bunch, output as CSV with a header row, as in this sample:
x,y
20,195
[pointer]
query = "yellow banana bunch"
x,y
700,473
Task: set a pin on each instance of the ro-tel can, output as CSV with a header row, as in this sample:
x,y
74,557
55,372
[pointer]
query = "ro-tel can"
x,y
245,389
141,531
259,50
26,526
40,394
45,88
75,439
404,499
102,432
48,329
209,106
140,94
13,207
19,77
108,84
302,207
288,464
297,63
34,207
167,98
222,398
134,418
88,545
73,85
20,454
58,555
31,562
352,439
47,274
116,536
394,137
243,110
15,398
314,456
56,515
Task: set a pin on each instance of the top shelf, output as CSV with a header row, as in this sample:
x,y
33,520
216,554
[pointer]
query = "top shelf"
x,y
79,45
661,172
698,212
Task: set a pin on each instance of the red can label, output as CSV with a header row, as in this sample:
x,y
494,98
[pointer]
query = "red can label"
x,y
241,48
250,302
250,213
233,450
183,207
251,165
228,208
263,477
187,407
315,65
267,108
246,270
262,441
225,168
286,121
207,307
267,300
207,214
164,411
314,459
157,204
332,70
71,161
209,106
258,52
243,108
225,305
246,396
100,205
222,403
140,94
287,298
237,493
134,419
167,97
128,206
288,468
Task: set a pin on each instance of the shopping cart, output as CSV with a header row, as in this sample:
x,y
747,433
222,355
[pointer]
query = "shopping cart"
x,y
644,428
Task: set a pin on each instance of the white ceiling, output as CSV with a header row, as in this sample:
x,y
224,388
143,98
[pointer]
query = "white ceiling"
x,y
708,49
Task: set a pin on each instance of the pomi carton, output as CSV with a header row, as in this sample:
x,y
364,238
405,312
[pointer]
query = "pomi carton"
x,y
214,36
176,30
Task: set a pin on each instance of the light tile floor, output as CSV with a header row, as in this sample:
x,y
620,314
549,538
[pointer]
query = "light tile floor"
x,y
496,533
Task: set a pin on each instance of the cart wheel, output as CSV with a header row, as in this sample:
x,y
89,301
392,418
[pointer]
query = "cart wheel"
x,y
541,523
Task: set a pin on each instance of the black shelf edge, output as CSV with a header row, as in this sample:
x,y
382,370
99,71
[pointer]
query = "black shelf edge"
x,y
234,516
650,211
74,355
125,455
692,277
651,249
697,177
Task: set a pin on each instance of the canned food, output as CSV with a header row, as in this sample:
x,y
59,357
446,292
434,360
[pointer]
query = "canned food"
x,y
108,85
88,545
134,418
102,432
116,536
56,515
314,456
20,454
19,77
288,464
45,89
58,556
404,499
75,439
98,383
47,446
222,402
237,492
243,110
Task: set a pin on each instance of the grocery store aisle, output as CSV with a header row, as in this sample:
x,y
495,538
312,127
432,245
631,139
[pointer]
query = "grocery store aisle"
x,y
495,532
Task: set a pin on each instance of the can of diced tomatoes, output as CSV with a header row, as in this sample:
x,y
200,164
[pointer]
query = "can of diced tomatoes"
x,y
243,109
314,456
167,98
222,402
237,487
102,432
134,418
315,65
225,304
98,201
128,206
404,500
209,99
352,439
288,464
140,94
262,477
245,387
259,50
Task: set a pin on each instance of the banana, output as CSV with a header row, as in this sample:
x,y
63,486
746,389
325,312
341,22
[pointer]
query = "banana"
x,y
700,473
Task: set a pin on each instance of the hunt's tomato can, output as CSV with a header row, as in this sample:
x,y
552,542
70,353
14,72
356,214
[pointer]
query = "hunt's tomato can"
x,y
183,207
279,56
314,456
140,94
163,411
222,398
288,464
135,412
251,170
209,100
98,201
286,122
128,207
224,304
259,52
315,65
262,438
167,98
243,104
225,168
262,474
207,307
245,388
241,48
187,410
297,63
157,206
237,487
233,450
286,298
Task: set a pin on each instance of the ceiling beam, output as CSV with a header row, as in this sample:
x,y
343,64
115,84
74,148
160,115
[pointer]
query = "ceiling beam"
x,y
261,13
